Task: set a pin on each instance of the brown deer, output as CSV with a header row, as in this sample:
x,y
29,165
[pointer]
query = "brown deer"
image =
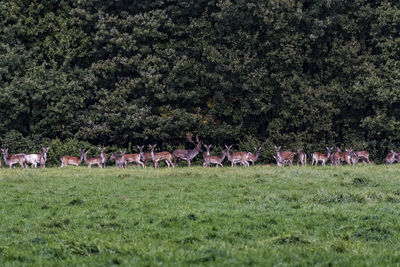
x,y
335,158
237,157
301,157
13,159
391,157
103,157
187,154
161,156
119,159
254,157
353,156
144,157
207,153
69,160
136,158
361,155
215,160
91,161
317,157
285,156
344,156
43,156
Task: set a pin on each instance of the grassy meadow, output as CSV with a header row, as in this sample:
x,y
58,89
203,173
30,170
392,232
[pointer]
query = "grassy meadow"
x,y
201,216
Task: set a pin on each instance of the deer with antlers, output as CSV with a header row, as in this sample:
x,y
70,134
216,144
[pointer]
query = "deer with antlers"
x,y
164,155
284,156
237,157
13,159
187,154
317,157
69,160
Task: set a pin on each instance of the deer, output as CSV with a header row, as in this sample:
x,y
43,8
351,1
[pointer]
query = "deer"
x,y
253,157
103,157
43,156
187,154
215,160
13,159
344,156
32,159
353,156
69,160
144,157
391,157
285,156
134,158
335,158
91,161
279,161
161,156
207,153
119,159
236,157
317,157
301,157
360,155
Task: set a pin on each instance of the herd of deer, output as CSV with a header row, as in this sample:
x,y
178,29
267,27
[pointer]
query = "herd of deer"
x,y
349,156
171,159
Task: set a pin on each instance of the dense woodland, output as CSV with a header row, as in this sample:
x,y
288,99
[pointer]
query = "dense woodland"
x,y
119,73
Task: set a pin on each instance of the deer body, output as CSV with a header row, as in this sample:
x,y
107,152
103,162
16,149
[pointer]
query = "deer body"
x,y
283,157
69,160
187,154
344,156
161,156
214,160
43,156
119,159
237,157
32,159
13,159
302,157
207,153
253,157
317,157
363,155
133,158
103,157
91,161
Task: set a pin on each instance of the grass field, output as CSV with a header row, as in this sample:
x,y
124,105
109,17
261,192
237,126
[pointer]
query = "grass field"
x,y
201,216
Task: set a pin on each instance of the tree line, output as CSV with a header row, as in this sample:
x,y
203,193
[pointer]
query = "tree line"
x,y
301,74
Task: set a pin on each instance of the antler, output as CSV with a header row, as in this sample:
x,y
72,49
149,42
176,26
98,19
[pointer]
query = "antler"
x,y
189,137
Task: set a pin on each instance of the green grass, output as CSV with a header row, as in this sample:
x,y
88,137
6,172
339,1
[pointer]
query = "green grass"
x,y
201,216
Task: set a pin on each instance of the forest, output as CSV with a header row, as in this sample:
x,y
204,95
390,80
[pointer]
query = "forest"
x,y
120,73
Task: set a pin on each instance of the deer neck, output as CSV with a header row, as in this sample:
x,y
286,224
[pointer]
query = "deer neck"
x,y
193,153
5,157
228,154
152,154
223,157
